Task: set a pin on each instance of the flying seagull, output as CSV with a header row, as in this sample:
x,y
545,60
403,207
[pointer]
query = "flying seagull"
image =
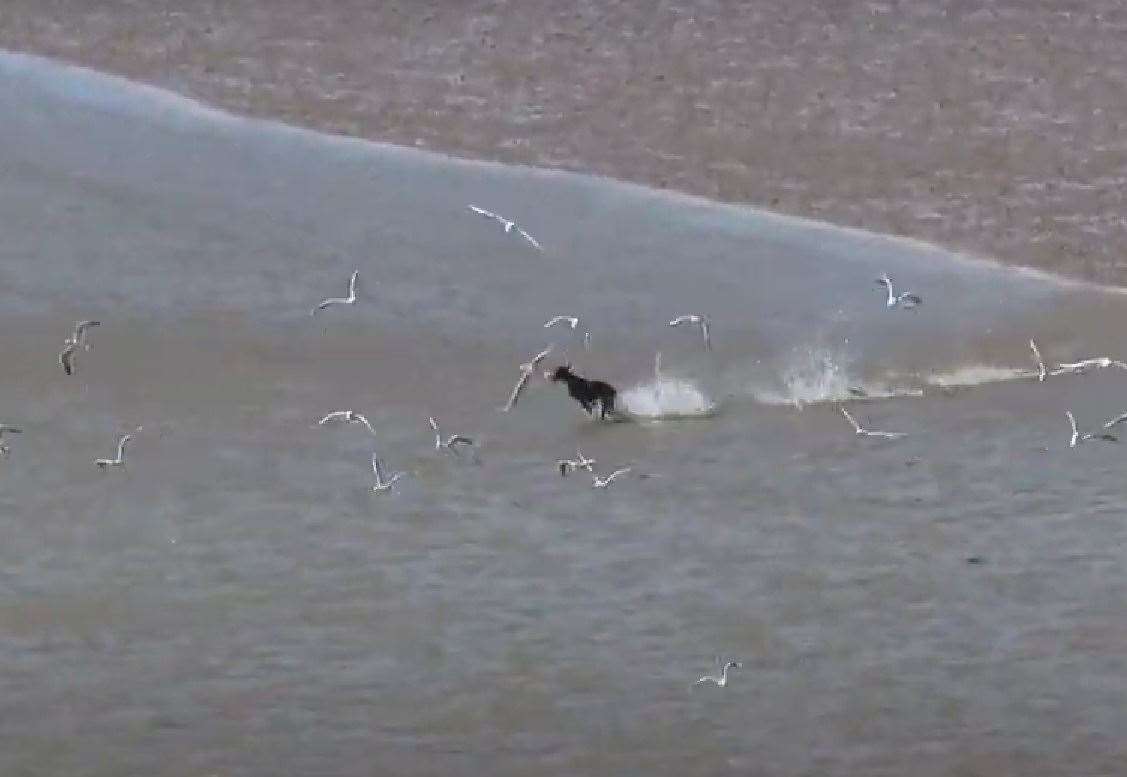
x,y
507,224
571,321
1078,438
120,460
704,323
526,371
1041,372
720,679
579,462
906,299
383,482
1115,421
862,431
349,416
80,330
66,357
5,429
450,443
601,482
349,300
1086,365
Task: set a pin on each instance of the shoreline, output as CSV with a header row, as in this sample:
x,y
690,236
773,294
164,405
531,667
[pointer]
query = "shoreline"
x,y
900,120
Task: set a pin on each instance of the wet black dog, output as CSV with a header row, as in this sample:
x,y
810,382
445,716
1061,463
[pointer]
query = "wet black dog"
x,y
587,392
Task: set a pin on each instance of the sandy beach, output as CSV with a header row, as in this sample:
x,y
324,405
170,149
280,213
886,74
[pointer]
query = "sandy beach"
x,y
990,127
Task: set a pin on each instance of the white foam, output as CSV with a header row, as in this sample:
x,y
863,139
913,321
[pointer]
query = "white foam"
x,y
977,375
666,398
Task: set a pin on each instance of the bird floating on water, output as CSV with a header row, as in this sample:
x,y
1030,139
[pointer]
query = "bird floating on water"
x,y
720,678
571,321
1041,371
602,482
349,300
348,416
579,462
5,429
450,443
383,481
1078,438
507,224
119,461
705,326
862,431
906,299
526,371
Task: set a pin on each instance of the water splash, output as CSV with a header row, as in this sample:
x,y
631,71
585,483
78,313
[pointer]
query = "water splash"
x,y
977,375
666,397
820,374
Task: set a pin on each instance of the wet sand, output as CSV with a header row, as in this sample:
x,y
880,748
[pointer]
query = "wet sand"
x,y
991,127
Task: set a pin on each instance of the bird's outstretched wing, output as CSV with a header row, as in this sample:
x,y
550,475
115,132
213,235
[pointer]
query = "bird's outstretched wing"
x,y
534,362
535,243
357,418
517,389
342,415
457,439
121,446
488,214
66,358
326,303
852,421
352,284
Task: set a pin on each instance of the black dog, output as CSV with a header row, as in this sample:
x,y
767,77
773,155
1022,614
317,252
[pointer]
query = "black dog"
x,y
587,392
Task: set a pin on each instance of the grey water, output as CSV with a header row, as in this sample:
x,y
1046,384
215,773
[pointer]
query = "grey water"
x,y
237,601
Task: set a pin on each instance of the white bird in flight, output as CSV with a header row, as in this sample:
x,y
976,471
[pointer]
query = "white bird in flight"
x,y
451,442
349,416
526,371
1085,365
571,321
862,431
349,300
507,224
383,482
66,357
601,482
906,299
1115,421
721,678
1078,438
5,429
81,328
1041,372
120,460
704,323
579,462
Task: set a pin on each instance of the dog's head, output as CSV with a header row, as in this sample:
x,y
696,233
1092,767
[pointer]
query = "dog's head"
x,y
562,373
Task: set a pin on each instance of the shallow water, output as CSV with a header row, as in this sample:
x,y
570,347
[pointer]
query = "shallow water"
x,y
237,601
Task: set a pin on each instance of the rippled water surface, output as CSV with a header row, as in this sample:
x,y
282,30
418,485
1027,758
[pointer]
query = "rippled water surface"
x,y
237,600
